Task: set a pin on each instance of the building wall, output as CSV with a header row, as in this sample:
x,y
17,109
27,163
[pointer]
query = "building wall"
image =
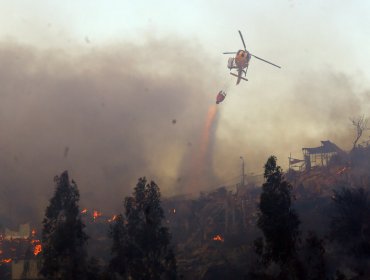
x,y
24,232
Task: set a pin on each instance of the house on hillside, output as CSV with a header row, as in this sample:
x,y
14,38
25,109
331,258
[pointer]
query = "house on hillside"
x,y
317,156
320,156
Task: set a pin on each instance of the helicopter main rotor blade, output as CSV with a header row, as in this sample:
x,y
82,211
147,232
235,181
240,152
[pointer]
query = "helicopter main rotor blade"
x,y
229,52
265,61
241,36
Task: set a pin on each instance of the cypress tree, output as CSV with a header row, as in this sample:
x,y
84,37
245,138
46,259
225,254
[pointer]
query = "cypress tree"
x,y
141,244
63,237
280,226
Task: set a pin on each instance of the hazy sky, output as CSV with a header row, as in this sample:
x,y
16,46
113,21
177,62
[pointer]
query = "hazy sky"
x,y
93,87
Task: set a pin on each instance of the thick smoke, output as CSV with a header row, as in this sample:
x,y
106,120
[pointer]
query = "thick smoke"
x,y
112,114
281,117
108,115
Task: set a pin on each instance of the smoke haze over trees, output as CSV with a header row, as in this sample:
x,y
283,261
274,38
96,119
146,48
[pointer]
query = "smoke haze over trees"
x,y
93,110
214,233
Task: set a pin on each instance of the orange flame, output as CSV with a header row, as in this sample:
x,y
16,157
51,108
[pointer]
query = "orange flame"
x,y
33,233
342,170
37,250
84,211
218,237
112,219
6,260
96,214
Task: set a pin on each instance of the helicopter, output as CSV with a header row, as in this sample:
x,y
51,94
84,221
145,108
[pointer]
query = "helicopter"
x,y
241,61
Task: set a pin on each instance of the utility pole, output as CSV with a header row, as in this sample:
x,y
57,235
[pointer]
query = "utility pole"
x,y
243,198
243,174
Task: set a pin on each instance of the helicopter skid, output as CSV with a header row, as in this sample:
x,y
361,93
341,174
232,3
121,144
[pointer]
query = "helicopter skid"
x,y
235,75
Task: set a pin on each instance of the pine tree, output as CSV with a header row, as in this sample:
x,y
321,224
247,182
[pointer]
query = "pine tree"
x,y
63,237
142,243
278,221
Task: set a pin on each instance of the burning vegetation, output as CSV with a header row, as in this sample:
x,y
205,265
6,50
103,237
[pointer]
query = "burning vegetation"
x,y
96,214
230,230
16,247
218,238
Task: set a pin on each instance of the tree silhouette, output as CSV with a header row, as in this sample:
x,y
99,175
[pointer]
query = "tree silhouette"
x,y
277,220
279,224
63,237
141,244
350,226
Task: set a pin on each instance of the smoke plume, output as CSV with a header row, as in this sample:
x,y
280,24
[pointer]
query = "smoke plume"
x,y
111,114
